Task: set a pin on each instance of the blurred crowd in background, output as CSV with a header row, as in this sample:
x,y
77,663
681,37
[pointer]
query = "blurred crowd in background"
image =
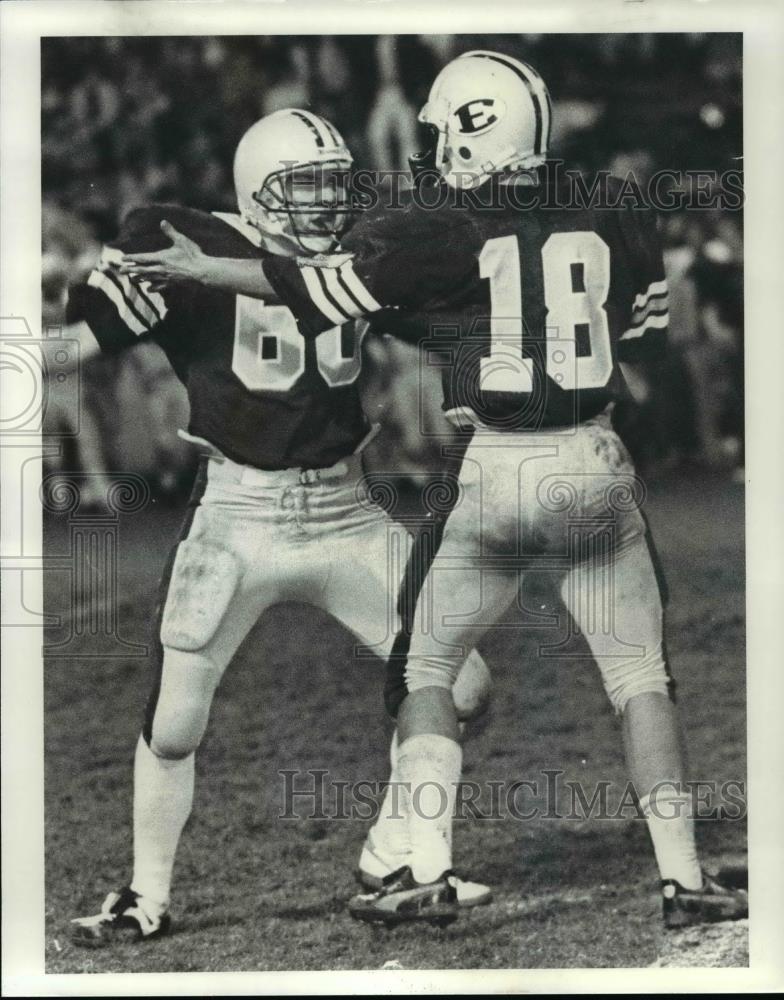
x,y
129,121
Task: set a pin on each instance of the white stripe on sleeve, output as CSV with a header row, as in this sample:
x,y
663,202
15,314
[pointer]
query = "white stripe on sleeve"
x,y
349,275
339,293
659,305
99,280
651,323
319,299
154,298
655,288
136,299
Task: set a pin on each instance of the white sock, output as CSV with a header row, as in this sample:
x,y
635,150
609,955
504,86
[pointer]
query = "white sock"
x,y
431,765
671,827
390,831
162,800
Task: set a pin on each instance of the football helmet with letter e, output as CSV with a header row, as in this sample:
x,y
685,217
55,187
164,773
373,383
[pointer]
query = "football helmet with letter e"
x,y
486,113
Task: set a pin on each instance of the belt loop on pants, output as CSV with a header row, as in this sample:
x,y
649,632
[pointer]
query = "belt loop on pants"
x,y
248,475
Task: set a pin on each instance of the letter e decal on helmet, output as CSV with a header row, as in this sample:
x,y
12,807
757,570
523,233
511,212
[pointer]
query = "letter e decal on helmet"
x,y
478,116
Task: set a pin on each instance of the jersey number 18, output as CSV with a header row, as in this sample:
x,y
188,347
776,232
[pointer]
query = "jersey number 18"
x,y
505,369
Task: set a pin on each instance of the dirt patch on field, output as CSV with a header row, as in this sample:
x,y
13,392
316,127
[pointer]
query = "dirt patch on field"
x,y
713,946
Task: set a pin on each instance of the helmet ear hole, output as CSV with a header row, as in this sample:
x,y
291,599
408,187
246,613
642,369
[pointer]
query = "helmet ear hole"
x,y
465,152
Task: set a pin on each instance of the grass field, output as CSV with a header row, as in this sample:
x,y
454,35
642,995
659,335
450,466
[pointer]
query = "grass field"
x,y
254,892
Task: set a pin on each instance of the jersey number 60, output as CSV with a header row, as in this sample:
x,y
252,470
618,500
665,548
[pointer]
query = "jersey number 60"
x,y
505,369
269,350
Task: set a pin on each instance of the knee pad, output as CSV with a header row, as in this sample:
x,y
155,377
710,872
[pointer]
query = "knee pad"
x,y
172,749
177,735
404,675
471,690
178,718
204,578
431,671
625,678
470,682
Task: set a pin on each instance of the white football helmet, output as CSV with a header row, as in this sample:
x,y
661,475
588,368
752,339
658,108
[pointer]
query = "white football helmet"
x,y
488,113
290,174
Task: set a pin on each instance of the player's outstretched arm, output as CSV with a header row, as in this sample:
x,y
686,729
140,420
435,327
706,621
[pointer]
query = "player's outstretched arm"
x,y
324,291
184,260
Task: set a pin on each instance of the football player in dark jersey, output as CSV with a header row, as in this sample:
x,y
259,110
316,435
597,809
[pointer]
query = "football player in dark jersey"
x,y
279,498
550,297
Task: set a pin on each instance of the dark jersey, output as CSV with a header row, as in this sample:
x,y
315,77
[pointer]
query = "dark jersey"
x,y
258,391
530,306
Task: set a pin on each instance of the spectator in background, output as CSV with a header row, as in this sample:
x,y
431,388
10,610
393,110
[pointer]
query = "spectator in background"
x,y
636,164
148,394
205,177
391,129
93,107
68,251
696,395
718,275
674,398
343,89
144,104
442,48
291,88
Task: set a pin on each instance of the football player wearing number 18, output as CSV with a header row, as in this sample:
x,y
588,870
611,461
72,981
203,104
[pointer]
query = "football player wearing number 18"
x,y
550,297
278,499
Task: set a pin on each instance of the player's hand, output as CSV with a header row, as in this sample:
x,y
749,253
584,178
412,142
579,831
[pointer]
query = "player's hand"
x,y
184,260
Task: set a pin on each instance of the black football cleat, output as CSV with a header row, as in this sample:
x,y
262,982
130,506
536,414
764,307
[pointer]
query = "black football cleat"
x,y
710,904
124,915
375,863
401,898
